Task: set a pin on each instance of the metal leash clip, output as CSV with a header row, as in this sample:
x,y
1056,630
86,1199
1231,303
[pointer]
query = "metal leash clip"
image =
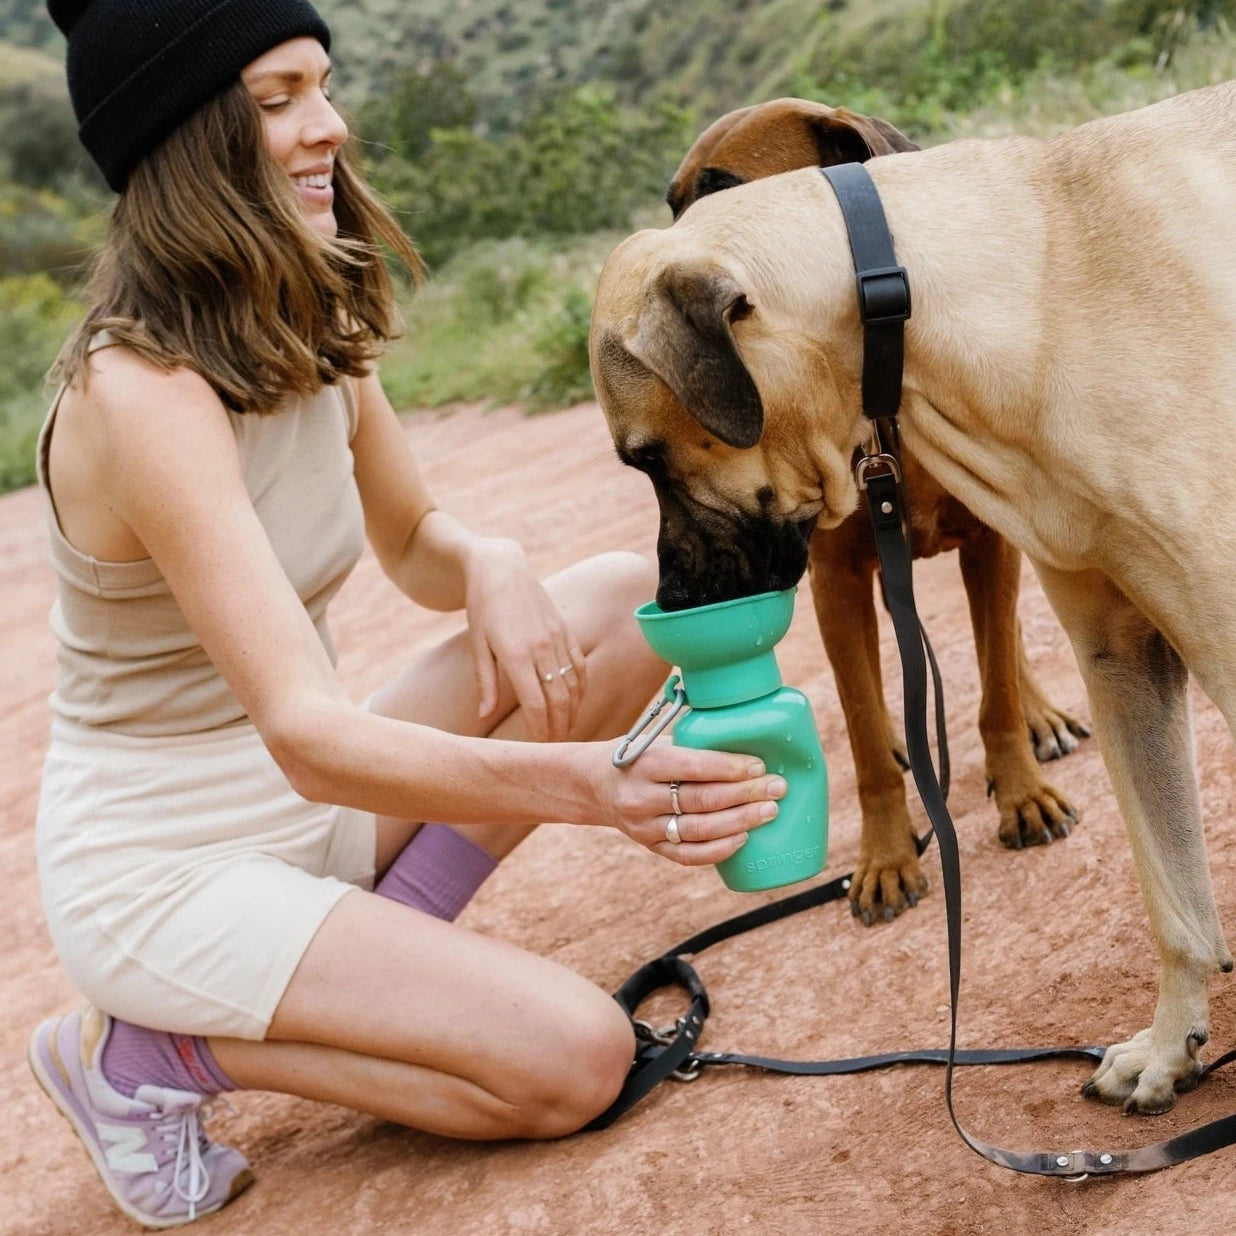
x,y
629,750
691,1067
875,458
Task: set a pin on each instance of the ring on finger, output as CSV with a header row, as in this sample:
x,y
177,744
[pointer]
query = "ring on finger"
x,y
564,670
548,677
672,834
675,806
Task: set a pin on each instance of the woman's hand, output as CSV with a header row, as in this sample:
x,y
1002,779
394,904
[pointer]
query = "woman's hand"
x,y
720,798
516,629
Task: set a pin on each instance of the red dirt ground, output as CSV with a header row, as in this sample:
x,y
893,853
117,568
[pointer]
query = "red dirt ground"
x,y
1056,951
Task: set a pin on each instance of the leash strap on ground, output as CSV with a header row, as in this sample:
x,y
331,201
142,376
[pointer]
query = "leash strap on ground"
x,y
884,305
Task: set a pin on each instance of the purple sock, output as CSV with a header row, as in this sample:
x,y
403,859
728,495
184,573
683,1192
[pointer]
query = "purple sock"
x,y
437,872
134,1056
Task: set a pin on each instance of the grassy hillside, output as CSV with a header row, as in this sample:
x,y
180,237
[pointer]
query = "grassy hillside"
x,y
712,57
694,51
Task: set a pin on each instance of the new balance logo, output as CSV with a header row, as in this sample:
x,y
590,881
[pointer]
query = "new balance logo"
x,y
126,1149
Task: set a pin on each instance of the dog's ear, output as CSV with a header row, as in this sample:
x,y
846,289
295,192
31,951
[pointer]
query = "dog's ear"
x,y
685,338
848,137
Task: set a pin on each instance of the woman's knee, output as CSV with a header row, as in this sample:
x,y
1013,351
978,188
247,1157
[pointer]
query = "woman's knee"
x,y
587,1063
601,593
632,580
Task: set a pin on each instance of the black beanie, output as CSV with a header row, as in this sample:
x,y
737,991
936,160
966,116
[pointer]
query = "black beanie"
x,y
139,68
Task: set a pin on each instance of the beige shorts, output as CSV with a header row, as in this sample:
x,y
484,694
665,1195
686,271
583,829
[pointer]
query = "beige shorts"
x,y
183,878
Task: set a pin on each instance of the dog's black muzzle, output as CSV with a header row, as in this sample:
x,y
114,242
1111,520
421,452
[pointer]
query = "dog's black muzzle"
x,y
706,557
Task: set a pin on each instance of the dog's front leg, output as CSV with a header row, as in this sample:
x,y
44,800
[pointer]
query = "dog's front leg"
x,y
1137,687
888,877
1032,812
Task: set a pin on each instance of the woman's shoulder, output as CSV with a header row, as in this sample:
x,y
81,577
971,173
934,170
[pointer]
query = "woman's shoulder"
x,y
121,376
123,404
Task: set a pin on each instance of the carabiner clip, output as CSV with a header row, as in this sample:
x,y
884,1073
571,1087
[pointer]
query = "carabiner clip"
x,y
629,750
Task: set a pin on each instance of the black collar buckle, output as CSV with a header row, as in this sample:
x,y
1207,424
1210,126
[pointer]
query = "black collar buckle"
x,y
884,295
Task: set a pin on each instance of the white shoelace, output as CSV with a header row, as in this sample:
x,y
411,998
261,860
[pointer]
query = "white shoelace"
x,y
190,1179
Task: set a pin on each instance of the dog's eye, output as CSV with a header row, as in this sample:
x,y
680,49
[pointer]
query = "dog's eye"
x,y
647,457
741,308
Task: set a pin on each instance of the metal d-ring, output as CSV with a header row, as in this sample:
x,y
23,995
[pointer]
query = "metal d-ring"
x,y
869,463
658,717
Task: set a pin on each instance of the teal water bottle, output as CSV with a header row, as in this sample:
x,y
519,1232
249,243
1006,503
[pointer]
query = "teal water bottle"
x,y
732,684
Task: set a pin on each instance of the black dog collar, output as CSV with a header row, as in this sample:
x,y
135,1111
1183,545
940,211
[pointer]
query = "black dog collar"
x,y
883,287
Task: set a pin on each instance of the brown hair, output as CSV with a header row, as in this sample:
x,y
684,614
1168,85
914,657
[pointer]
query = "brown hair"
x,y
209,263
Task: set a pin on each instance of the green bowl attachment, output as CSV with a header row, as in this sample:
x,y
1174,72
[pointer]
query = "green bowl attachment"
x,y
725,651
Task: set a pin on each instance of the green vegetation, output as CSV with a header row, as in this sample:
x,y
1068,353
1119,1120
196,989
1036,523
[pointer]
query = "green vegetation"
x,y
577,164
505,321
27,24
37,315
517,142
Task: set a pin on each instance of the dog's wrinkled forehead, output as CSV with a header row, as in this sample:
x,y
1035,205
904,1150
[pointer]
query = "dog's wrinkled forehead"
x,y
663,348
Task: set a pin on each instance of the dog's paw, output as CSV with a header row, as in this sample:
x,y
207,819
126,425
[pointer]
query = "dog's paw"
x,y
883,887
1144,1077
1053,732
1033,816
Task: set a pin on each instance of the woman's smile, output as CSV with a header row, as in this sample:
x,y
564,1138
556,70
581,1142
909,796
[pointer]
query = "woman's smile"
x,y
314,187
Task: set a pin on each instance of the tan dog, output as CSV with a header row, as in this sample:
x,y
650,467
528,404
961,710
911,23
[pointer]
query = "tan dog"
x,y
1070,377
779,136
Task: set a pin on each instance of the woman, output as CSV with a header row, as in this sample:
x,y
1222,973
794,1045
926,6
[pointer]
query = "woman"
x,y
214,810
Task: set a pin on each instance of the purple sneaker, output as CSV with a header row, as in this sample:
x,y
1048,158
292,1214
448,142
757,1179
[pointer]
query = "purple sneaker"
x,y
150,1151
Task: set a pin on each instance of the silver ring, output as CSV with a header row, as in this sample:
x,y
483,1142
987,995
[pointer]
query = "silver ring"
x,y
671,830
547,677
564,670
675,806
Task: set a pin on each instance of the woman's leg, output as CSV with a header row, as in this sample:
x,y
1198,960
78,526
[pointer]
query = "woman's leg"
x,y
397,1014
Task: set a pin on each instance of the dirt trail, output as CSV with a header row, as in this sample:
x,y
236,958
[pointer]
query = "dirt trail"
x,y
1056,951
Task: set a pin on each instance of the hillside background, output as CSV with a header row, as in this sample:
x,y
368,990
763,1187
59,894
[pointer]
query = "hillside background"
x,y
518,140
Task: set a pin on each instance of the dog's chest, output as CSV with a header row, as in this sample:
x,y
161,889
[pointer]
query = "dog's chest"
x,y
940,526
939,521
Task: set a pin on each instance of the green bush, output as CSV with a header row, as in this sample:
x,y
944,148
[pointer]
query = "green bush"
x,y
495,282
19,430
35,317
401,116
38,136
42,231
579,163
561,346
501,322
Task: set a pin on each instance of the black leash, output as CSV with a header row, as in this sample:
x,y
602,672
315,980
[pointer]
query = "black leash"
x,y
884,305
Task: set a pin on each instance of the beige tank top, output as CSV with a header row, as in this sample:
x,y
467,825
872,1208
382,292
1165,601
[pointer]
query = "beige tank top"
x,y
127,659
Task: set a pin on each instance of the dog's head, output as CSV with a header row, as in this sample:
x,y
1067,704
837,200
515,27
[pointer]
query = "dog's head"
x,y
777,136
726,355
744,424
